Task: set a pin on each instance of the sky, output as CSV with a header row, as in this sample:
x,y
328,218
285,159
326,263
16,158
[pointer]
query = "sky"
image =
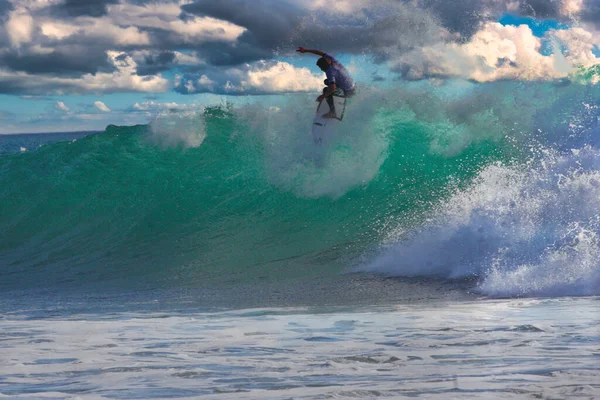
x,y
77,65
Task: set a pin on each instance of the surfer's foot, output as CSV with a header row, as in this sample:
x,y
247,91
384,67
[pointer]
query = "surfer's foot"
x,y
330,114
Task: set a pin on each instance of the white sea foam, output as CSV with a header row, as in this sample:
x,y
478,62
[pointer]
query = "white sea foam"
x,y
526,230
479,350
349,157
178,128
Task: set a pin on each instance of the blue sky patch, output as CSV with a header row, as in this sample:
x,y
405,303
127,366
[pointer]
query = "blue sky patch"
x,y
538,27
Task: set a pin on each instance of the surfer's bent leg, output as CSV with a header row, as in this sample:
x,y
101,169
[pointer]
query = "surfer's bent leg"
x,y
329,101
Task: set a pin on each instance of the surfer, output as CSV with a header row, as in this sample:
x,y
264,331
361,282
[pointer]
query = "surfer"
x,y
338,80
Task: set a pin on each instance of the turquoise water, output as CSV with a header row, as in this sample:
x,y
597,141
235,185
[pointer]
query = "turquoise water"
x,y
431,183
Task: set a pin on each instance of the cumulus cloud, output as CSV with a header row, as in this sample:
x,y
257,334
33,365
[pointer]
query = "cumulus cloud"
x,y
166,18
124,78
60,106
280,77
263,77
20,27
498,52
100,106
570,8
579,45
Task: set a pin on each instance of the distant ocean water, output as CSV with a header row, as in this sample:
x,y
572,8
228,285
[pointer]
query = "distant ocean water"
x,y
397,242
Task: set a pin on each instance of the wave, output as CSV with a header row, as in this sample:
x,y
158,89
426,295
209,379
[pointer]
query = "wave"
x,y
420,181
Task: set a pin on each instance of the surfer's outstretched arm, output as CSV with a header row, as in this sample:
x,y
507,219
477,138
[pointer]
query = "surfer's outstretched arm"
x,y
317,52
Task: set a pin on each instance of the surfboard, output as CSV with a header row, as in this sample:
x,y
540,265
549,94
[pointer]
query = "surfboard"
x,y
323,126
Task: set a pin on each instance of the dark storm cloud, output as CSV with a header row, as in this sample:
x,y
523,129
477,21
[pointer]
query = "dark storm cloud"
x,y
274,26
269,22
591,12
78,8
57,62
539,8
227,54
19,86
151,64
460,16
5,7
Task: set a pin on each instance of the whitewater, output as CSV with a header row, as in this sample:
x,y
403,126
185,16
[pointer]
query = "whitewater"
x,y
444,242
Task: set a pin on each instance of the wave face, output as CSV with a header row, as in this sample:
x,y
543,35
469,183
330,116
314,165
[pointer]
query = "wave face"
x,y
496,182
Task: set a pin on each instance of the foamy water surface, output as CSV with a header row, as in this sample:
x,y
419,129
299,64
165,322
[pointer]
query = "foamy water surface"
x,y
500,349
